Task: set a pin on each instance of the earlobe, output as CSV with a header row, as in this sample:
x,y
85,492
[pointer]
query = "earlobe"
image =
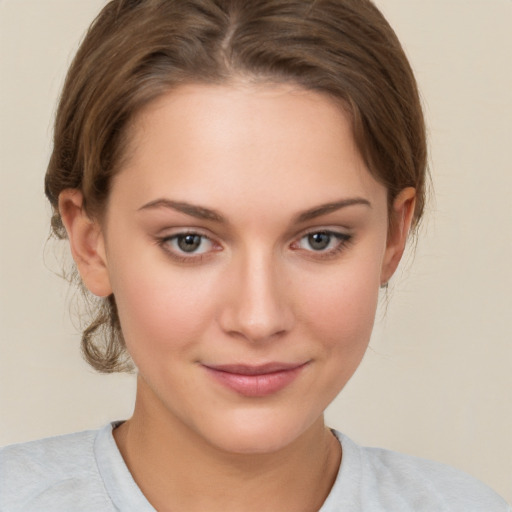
x,y
86,242
401,217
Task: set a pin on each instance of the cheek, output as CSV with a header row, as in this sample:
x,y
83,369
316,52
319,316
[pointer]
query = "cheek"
x,y
340,308
339,317
161,308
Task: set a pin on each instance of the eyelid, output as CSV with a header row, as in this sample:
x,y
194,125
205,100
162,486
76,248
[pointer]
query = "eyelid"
x,y
344,238
337,231
181,256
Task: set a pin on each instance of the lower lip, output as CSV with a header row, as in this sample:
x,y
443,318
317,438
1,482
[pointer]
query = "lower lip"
x,y
256,385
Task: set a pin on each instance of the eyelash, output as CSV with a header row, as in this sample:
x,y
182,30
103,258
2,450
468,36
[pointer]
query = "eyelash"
x,y
165,242
343,240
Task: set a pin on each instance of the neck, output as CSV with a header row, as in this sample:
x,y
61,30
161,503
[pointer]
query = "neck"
x,y
178,470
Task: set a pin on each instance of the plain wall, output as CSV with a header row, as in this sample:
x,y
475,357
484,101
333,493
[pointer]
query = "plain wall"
x,y
437,379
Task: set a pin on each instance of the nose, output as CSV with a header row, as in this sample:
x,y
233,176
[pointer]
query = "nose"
x,y
258,306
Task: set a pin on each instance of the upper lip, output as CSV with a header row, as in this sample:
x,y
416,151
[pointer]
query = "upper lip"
x,y
260,369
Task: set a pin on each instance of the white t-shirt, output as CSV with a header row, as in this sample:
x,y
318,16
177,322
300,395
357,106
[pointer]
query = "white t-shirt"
x,y
85,472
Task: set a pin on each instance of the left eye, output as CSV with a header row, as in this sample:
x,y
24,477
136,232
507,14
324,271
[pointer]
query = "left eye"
x,y
322,241
190,243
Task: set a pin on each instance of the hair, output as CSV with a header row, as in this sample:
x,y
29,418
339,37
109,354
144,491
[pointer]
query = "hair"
x,y
137,50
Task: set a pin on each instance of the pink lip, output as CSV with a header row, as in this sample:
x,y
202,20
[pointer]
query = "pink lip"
x,y
256,381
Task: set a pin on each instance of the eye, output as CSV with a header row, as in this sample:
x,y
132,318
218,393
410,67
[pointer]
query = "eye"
x,y
188,243
318,241
329,242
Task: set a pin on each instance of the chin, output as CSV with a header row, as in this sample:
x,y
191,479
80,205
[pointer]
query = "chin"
x,y
258,434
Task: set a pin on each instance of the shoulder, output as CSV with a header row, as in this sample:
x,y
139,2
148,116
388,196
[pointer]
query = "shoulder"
x,y
427,482
393,481
55,474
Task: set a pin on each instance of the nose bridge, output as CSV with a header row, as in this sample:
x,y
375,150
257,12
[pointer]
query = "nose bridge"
x,y
258,308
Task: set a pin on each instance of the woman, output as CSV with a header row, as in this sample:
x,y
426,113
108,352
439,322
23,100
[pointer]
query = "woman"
x,y
236,183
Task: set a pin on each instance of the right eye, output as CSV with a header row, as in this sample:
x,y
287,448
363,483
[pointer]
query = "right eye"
x,y
187,246
190,243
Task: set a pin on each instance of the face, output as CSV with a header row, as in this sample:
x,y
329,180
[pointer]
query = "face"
x,y
245,242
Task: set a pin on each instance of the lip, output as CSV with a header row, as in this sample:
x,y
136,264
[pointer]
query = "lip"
x,y
256,380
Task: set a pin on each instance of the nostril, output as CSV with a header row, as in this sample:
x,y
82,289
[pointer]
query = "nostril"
x,y
256,306
257,333
254,324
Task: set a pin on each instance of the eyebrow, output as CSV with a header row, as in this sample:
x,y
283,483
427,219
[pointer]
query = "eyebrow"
x,y
203,213
189,209
324,209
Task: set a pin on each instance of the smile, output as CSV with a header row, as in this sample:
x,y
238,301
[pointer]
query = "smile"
x,y
256,381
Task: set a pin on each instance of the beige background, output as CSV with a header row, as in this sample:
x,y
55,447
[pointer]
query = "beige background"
x,y
437,381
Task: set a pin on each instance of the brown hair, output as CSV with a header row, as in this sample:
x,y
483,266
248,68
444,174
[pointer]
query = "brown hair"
x,y
136,50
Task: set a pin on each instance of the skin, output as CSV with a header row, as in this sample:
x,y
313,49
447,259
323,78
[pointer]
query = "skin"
x,y
265,159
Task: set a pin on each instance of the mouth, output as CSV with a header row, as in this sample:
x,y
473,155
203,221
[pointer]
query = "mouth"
x,y
256,380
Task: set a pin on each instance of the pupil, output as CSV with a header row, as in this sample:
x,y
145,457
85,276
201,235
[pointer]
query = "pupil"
x,y
189,243
319,241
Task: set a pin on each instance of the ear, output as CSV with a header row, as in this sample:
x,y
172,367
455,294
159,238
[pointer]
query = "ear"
x,y
86,241
401,216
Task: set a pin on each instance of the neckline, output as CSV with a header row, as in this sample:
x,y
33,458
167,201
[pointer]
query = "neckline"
x,y
126,495
117,479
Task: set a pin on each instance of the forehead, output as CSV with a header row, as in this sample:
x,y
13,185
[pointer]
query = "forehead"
x,y
210,144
